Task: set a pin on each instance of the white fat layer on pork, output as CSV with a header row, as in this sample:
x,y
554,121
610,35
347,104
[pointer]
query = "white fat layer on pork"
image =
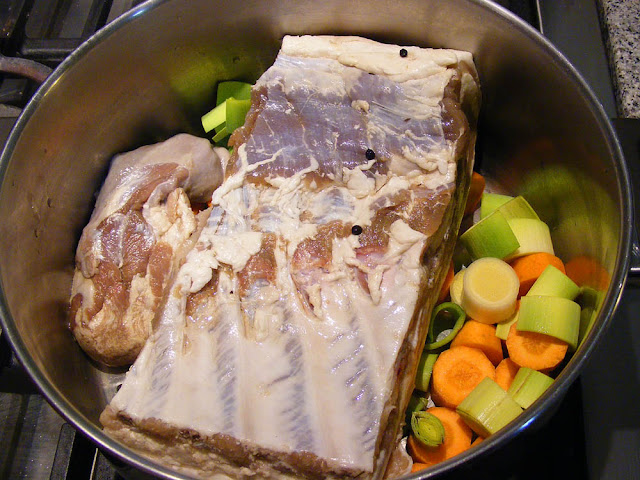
x,y
265,369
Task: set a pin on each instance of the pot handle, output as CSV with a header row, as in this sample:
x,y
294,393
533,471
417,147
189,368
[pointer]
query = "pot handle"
x,y
628,133
634,270
25,68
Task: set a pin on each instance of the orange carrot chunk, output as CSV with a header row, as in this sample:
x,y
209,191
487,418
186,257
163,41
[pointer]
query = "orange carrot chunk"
x,y
506,372
448,280
481,336
477,441
475,193
456,372
535,350
416,467
530,267
457,439
586,271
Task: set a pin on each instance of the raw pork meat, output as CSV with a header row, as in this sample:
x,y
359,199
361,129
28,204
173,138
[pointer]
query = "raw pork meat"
x,y
138,231
289,341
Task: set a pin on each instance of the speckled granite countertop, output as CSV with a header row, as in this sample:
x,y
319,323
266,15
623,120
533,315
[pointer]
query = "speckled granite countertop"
x,y
621,21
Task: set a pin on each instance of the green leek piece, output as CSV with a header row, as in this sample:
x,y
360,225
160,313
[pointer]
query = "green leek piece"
x,y
590,297
533,236
554,283
416,404
490,237
233,89
518,208
236,112
590,300
226,117
491,201
554,316
502,328
488,408
221,134
587,318
427,428
214,118
528,385
446,321
425,367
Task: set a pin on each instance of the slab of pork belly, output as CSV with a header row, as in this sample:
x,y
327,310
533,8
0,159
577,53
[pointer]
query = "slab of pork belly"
x,y
141,223
288,344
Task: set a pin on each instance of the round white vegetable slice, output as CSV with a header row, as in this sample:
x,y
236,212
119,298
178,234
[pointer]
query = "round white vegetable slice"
x,y
455,290
490,290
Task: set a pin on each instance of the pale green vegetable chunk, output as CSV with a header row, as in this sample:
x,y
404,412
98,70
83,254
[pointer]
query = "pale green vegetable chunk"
x,y
528,385
488,408
554,316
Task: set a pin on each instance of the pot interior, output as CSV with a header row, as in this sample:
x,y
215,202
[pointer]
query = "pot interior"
x,y
153,73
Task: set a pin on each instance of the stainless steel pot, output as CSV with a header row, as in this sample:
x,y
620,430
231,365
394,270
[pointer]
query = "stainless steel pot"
x,y
152,73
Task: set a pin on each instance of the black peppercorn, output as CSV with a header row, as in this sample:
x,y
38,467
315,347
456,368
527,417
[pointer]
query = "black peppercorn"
x,y
403,52
370,154
356,229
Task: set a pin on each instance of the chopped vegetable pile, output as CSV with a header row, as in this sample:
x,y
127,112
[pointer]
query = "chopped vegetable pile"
x,y
233,100
508,317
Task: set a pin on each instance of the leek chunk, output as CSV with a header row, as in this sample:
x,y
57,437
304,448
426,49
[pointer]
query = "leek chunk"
x,y
233,89
532,235
502,328
590,300
518,208
490,290
554,316
490,237
446,321
236,112
491,201
427,428
232,104
221,134
587,318
416,404
488,408
455,290
528,385
552,282
214,118
425,368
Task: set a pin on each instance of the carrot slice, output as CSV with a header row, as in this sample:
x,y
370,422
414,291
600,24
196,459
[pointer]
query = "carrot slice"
x,y
535,350
457,439
475,193
477,441
482,336
416,467
586,271
448,280
530,267
506,372
456,372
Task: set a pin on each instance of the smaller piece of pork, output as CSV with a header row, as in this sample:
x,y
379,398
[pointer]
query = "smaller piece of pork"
x,y
140,229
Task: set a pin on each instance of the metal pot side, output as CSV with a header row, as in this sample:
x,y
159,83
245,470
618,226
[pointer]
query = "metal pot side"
x,y
152,73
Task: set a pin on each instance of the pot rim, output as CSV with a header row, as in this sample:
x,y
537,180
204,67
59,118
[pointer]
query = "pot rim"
x,y
496,441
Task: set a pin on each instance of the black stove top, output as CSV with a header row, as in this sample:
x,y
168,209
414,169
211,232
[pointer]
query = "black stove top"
x,y
581,440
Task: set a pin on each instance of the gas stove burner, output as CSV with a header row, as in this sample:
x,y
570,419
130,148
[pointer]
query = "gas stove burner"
x,y
49,30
